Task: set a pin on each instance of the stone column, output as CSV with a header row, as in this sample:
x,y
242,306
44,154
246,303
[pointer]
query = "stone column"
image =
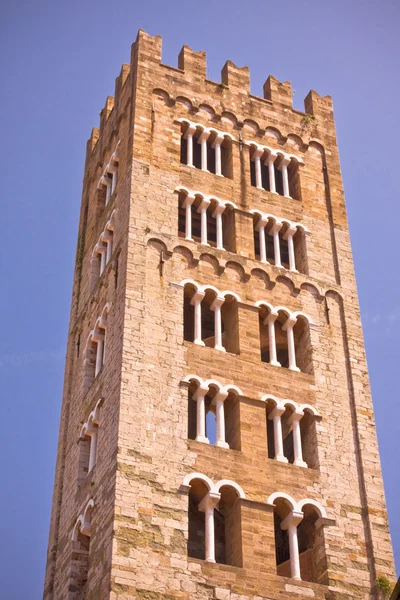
x,y
217,214
217,147
288,327
270,321
99,339
92,433
283,167
218,401
271,171
275,416
294,421
274,231
196,302
257,164
205,203
261,232
203,141
102,252
207,506
289,524
199,397
288,235
189,144
216,307
187,204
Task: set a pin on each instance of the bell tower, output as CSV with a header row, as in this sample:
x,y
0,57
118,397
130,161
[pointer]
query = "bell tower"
x,y
217,436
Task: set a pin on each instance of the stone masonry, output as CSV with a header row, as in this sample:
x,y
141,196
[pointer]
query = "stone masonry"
x,y
132,540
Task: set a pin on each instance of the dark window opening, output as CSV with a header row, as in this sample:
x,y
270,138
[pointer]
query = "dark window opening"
x,y
196,538
284,251
278,181
282,551
181,221
188,318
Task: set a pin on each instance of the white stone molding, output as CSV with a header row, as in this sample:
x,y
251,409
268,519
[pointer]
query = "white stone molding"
x,y
90,429
291,320
269,156
220,297
298,411
222,392
98,335
275,226
109,176
290,523
83,523
104,246
218,205
206,135
207,505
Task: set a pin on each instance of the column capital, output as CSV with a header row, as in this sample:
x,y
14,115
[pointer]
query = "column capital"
x,y
188,201
276,412
218,140
297,415
276,227
292,520
189,131
271,318
289,323
220,208
290,231
258,152
210,500
205,134
219,396
284,162
271,158
197,297
217,303
261,223
205,203
201,391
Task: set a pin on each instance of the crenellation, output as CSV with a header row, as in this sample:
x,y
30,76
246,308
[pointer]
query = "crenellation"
x,y
216,399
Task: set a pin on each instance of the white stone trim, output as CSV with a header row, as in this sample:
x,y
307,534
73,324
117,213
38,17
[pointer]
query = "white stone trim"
x,y
83,524
205,201
112,168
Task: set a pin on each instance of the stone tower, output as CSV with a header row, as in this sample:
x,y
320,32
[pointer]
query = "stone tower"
x,y
217,435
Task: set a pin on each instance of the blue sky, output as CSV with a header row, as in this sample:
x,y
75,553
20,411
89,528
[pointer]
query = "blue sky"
x,y
58,63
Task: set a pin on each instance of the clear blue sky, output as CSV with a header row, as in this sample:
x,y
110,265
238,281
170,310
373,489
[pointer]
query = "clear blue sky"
x,y
58,63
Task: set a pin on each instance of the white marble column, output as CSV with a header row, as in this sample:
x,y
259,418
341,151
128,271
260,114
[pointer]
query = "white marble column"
x,y
207,506
188,135
102,251
218,401
203,141
216,307
283,165
187,205
199,397
289,524
196,302
258,152
294,421
270,321
217,214
274,231
288,327
275,416
217,147
263,246
288,235
271,171
108,191
202,209
99,339
92,433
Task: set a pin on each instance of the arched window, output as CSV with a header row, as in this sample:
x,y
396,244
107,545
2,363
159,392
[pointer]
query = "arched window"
x,y
206,148
213,413
291,432
279,242
108,181
299,540
206,220
102,251
274,171
285,338
210,318
214,520
88,443
95,349
80,550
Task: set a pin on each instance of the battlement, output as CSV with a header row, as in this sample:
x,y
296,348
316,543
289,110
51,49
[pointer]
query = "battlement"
x,y
192,68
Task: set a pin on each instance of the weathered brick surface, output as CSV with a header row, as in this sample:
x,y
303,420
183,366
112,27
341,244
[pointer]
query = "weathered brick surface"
x,y
140,519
